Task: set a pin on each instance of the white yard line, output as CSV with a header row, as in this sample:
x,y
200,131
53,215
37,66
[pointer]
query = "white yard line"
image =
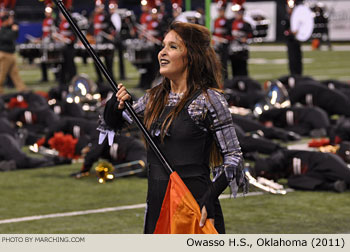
x,y
75,213
103,210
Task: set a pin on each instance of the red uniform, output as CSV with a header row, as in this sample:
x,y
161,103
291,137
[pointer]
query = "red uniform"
x,y
99,23
220,28
241,29
145,18
47,27
65,31
153,29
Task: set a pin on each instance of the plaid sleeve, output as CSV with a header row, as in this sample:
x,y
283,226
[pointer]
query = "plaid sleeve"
x,y
221,125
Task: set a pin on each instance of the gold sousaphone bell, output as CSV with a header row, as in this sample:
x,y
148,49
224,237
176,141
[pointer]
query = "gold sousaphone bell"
x,y
104,172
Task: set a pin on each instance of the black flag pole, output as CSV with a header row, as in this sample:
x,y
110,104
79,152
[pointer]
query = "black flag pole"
x,y
113,84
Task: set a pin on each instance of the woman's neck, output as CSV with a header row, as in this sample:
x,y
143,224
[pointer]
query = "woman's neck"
x,y
178,86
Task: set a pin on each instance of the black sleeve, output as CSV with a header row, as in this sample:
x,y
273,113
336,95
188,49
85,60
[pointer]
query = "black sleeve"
x,y
213,192
112,115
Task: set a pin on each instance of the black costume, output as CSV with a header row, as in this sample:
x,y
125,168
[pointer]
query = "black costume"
x,y
187,148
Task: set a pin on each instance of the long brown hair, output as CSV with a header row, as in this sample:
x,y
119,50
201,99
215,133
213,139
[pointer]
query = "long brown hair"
x,y
204,71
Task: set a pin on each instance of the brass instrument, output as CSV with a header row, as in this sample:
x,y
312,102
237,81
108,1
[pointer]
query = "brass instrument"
x,y
104,172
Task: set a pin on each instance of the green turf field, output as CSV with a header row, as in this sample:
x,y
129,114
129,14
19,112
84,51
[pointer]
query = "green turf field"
x,y
48,191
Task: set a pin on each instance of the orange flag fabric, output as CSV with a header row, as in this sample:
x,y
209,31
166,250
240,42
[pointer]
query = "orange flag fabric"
x,y
180,213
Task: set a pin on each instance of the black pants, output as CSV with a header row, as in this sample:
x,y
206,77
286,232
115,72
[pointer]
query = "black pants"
x,y
119,46
294,57
239,65
68,68
109,60
223,55
44,76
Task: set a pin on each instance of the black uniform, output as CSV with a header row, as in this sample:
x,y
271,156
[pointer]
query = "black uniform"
x,y
302,120
249,124
313,93
306,170
10,150
32,99
124,149
7,127
290,81
252,143
36,120
61,107
80,128
341,130
342,86
243,91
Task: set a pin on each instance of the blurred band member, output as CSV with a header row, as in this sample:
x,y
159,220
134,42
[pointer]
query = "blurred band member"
x,y
102,36
153,30
241,32
68,67
293,45
8,65
117,26
221,36
48,27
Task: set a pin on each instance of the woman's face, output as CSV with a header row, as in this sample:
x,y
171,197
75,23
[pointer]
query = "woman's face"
x,y
173,57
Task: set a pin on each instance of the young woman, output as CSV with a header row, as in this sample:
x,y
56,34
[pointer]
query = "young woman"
x,y
188,118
